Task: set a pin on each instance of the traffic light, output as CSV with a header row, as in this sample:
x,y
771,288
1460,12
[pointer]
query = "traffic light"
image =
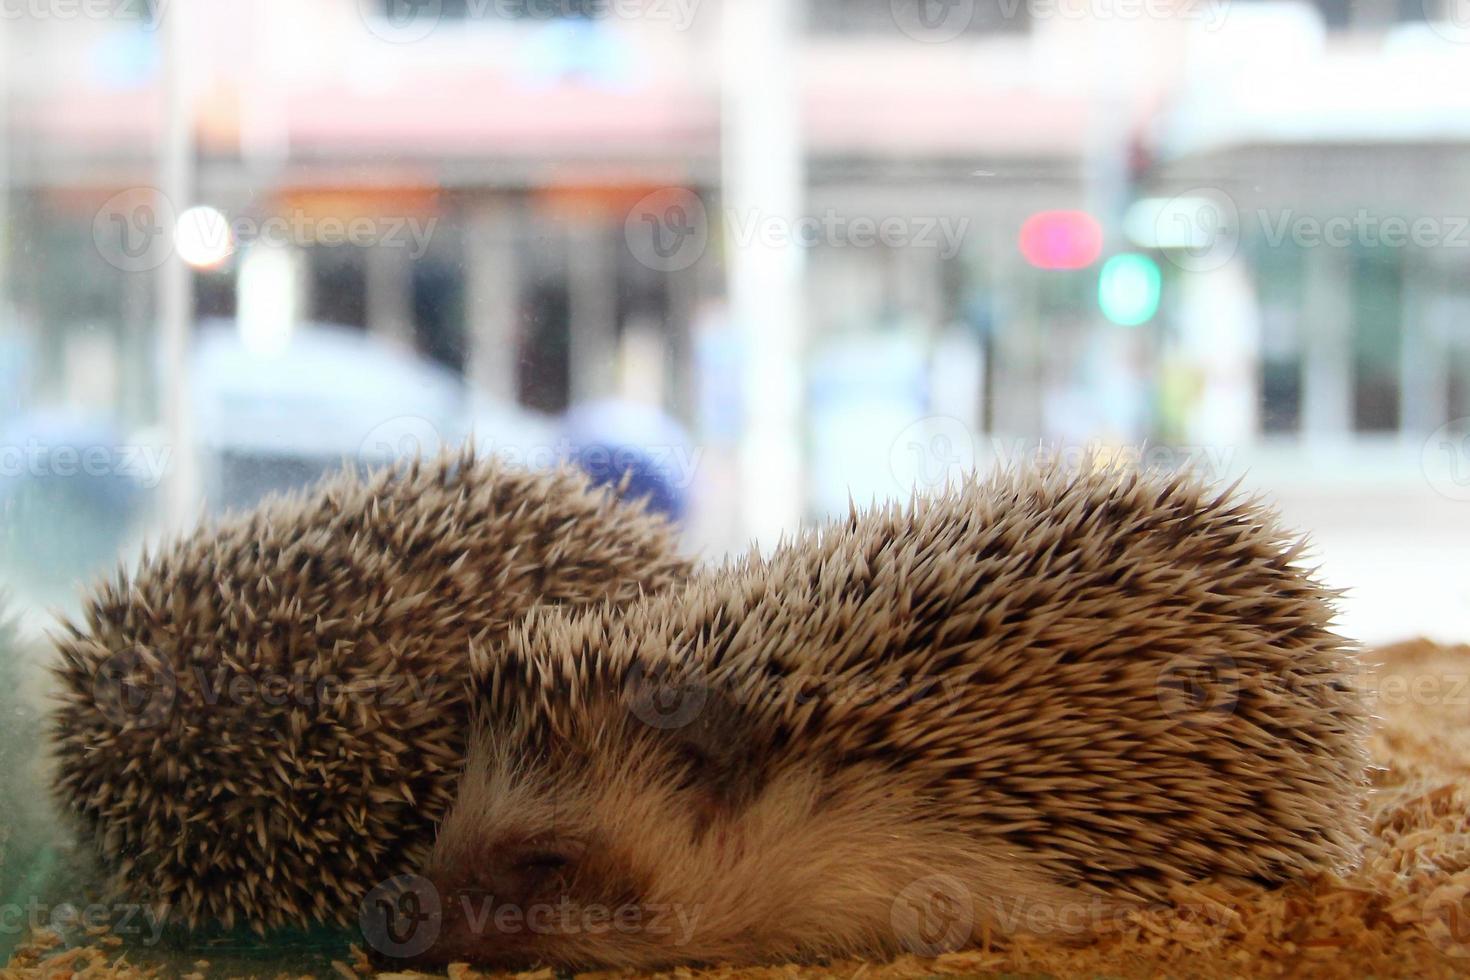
x,y
1128,289
1061,239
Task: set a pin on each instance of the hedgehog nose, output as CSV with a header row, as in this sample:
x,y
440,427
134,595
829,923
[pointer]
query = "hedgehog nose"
x,y
522,875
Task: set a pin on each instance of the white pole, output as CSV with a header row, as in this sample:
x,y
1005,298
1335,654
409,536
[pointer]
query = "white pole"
x,y
5,233
1327,374
763,178
175,283
593,288
490,334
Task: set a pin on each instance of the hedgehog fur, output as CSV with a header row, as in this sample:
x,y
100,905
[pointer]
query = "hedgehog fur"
x,y
269,716
1024,706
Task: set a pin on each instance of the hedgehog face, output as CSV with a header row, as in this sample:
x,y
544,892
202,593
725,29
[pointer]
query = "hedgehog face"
x,y
560,846
602,840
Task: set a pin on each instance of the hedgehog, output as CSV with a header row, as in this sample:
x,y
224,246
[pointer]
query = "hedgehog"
x,y
269,715
1027,705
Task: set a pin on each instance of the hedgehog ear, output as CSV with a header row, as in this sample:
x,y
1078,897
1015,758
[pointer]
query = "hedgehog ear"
x,y
720,754
712,741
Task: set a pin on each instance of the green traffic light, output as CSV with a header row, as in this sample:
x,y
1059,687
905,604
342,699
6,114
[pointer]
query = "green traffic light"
x,y
1128,289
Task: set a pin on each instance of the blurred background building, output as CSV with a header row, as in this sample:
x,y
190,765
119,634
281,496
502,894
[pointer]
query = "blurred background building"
x,y
788,250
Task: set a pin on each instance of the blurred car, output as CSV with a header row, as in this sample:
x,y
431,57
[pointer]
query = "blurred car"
x,y
333,395
71,490
616,441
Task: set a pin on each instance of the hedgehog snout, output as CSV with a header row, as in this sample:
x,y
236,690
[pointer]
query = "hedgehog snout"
x,y
518,904
510,868
524,873
476,911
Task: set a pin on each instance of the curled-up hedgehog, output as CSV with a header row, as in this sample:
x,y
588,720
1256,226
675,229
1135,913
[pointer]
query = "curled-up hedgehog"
x,y
269,715
1024,706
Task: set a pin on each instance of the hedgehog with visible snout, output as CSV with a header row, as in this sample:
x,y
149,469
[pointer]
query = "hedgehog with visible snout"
x,y
1026,705
269,715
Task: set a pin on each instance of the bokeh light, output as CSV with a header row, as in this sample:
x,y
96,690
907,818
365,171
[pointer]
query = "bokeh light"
x,y
1061,239
203,237
1128,289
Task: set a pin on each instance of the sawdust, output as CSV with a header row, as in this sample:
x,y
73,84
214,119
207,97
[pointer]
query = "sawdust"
x,y
1404,913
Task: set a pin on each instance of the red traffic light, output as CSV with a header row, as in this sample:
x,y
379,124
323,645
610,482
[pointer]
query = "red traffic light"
x,y
1061,239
